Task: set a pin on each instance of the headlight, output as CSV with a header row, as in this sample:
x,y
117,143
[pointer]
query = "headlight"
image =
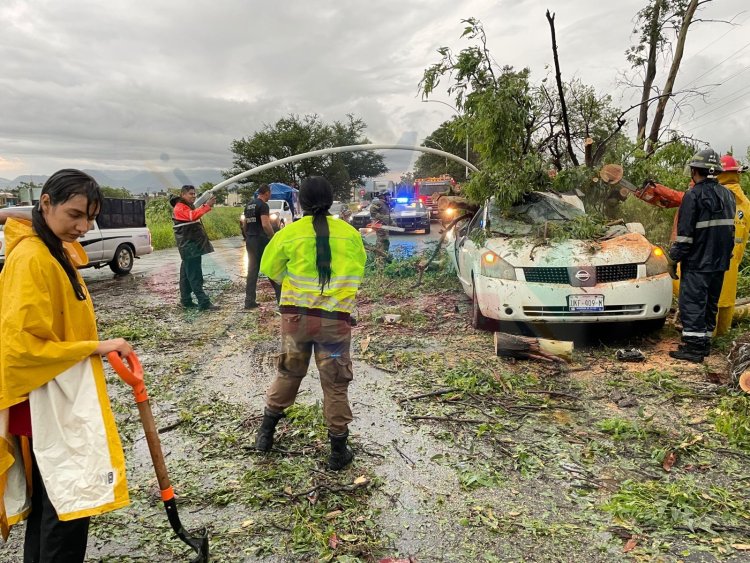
x,y
335,215
242,217
656,263
450,212
274,216
492,266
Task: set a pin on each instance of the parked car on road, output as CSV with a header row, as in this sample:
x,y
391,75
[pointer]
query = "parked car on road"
x,y
280,213
117,238
511,274
411,216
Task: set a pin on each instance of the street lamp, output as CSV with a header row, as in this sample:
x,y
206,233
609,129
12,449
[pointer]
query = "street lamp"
x,y
467,129
441,148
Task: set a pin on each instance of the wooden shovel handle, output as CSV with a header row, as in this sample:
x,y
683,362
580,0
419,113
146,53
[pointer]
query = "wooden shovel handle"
x,y
154,448
132,374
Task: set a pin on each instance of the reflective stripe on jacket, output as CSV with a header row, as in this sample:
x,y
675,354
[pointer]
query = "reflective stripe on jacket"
x,y
47,337
705,228
290,257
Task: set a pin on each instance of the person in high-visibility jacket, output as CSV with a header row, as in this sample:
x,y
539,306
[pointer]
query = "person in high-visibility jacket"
x,y
58,439
662,196
319,262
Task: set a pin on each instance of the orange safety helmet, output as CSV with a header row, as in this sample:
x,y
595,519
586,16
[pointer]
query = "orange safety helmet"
x,y
730,164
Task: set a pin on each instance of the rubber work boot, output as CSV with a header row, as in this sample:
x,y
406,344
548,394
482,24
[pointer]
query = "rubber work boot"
x,y
264,439
690,352
341,454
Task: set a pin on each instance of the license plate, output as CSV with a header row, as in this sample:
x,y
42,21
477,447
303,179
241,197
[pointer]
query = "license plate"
x,y
593,303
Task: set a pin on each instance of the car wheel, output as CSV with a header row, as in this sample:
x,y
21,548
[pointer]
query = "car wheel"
x,y
478,320
427,230
122,263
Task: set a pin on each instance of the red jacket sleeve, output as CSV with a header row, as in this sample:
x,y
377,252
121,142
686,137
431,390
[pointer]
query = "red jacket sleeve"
x,y
183,213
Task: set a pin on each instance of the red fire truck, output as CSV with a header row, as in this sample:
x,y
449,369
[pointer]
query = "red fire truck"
x,y
429,190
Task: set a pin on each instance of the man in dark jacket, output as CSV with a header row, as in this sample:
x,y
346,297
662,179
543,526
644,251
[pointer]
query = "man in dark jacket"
x,y
192,242
258,232
703,247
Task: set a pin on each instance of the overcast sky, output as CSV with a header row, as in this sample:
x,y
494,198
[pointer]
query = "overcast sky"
x,y
169,84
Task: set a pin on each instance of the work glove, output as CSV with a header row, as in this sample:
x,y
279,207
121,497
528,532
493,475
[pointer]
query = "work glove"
x,y
671,264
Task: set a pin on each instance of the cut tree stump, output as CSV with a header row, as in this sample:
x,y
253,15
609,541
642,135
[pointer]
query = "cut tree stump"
x,y
526,347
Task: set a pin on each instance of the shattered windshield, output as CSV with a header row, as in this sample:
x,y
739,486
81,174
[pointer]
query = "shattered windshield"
x,y
536,209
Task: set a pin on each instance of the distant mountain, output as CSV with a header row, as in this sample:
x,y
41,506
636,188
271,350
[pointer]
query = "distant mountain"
x,y
137,181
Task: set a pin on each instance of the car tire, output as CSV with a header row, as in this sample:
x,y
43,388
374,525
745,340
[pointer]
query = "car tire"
x,y
478,320
427,230
123,260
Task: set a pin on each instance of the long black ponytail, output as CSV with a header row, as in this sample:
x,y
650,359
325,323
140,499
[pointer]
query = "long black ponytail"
x,y
60,187
316,198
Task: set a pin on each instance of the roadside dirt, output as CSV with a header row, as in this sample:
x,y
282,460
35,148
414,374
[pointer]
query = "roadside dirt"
x,y
461,456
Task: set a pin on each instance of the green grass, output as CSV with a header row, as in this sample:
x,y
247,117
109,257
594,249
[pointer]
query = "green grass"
x,y
222,222
732,419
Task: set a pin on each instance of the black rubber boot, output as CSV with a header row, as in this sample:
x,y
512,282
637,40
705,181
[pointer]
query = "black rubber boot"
x,y
690,351
341,454
707,347
264,439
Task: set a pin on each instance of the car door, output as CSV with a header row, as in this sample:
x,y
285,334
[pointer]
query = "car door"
x,y
466,250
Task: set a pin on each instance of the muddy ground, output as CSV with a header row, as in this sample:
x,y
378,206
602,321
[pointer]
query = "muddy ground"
x,y
597,460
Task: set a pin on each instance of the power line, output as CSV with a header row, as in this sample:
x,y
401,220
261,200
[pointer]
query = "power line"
x,y
716,108
721,118
717,65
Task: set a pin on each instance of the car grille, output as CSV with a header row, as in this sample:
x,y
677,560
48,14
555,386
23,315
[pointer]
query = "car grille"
x,y
617,272
604,274
411,223
546,275
564,311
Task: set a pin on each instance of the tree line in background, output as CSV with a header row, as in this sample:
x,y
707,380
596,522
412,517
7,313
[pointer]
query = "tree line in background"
x,y
294,135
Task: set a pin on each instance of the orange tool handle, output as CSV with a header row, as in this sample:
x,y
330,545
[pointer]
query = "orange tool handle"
x,y
132,374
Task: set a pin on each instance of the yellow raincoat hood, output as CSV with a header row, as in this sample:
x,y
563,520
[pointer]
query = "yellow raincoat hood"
x,y
47,338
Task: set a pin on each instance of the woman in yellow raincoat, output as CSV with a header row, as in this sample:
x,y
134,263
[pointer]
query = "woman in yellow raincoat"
x,y
60,455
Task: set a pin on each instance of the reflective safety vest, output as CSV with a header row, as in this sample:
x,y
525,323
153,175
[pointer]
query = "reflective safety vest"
x,y
290,259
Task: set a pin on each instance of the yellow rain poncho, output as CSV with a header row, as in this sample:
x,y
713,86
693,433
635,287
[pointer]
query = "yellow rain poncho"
x,y
731,181
47,337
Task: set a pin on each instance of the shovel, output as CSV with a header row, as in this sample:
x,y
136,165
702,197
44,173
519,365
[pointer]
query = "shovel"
x,y
132,374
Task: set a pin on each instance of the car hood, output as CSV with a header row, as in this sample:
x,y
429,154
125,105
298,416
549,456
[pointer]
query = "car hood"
x,y
629,248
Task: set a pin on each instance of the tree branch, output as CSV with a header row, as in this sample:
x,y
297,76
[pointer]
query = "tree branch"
x,y
558,78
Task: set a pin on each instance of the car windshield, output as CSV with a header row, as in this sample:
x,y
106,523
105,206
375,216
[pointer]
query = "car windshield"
x,y
414,206
536,208
275,204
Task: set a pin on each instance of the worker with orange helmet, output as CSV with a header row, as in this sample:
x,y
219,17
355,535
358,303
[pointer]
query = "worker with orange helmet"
x,y
730,179
661,196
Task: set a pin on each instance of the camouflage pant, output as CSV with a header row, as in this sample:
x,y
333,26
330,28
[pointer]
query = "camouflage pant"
x,y
330,340
383,242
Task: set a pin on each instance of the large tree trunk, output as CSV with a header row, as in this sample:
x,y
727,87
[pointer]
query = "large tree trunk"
x,y
561,91
529,348
653,137
648,81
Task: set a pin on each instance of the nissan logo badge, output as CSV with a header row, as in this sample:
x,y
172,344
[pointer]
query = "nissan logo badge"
x,y
582,275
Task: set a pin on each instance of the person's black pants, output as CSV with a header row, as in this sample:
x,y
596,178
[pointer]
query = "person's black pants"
x,y
191,281
255,246
48,539
699,303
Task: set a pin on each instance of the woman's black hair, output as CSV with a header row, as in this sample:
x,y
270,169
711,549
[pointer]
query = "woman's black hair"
x,y
61,186
316,198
